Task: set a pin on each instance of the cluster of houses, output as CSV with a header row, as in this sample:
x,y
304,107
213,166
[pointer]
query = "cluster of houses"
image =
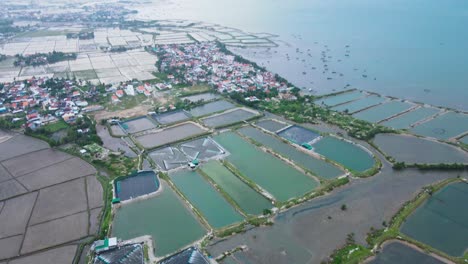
x,y
207,63
35,101
132,89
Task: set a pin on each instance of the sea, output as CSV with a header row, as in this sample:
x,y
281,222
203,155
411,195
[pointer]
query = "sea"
x,y
415,50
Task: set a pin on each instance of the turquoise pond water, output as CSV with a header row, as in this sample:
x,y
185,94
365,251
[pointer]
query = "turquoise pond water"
x,y
407,119
383,111
444,127
349,155
359,104
340,98
464,139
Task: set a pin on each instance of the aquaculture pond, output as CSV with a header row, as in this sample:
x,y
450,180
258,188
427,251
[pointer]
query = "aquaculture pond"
x,y
198,97
170,135
171,117
164,217
383,111
407,119
229,117
139,184
343,152
245,197
216,210
411,149
298,134
441,221
445,126
339,98
209,108
397,252
138,124
271,125
360,104
279,179
319,167
464,139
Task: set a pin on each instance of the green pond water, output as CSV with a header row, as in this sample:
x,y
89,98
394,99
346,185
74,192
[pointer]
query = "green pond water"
x,y
407,119
216,210
246,198
442,221
380,112
444,127
359,104
340,98
275,176
164,217
464,139
319,167
345,153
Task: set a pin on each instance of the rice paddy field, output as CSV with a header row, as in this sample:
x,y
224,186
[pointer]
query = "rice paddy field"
x,y
407,119
147,217
245,197
229,117
398,252
279,179
445,126
216,210
271,125
442,221
138,124
360,104
345,153
319,167
210,108
340,98
411,149
298,134
170,135
383,111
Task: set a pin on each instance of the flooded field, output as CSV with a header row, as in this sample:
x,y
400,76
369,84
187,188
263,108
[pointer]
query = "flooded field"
x,y
164,217
216,210
319,167
198,97
340,98
345,153
138,124
360,104
168,158
407,119
171,117
411,149
298,135
139,184
443,127
229,117
170,135
383,111
441,221
210,108
271,125
245,197
279,179
398,252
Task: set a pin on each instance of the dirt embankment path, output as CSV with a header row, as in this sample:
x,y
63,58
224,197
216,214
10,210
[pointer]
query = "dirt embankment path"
x,y
127,113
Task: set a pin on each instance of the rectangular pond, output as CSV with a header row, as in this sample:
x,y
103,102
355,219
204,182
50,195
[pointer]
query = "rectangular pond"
x,y
138,124
397,252
345,153
319,167
201,149
383,111
245,197
170,135
136,185
229,117
298,134
271,125
216,210
168,158
333,100
164,217
441,221
407,119
198,97
360,104
209,108
171,117
445,126
278,178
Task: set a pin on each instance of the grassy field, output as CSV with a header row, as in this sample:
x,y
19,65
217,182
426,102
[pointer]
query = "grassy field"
x,y
54,127
127,102
195,89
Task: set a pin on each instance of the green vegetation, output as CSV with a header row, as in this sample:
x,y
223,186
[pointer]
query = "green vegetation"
x,y
54,127
7,123
146,252
351,254
43,58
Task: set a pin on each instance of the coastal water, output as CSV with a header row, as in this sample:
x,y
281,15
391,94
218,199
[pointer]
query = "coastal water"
x,y
408,49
